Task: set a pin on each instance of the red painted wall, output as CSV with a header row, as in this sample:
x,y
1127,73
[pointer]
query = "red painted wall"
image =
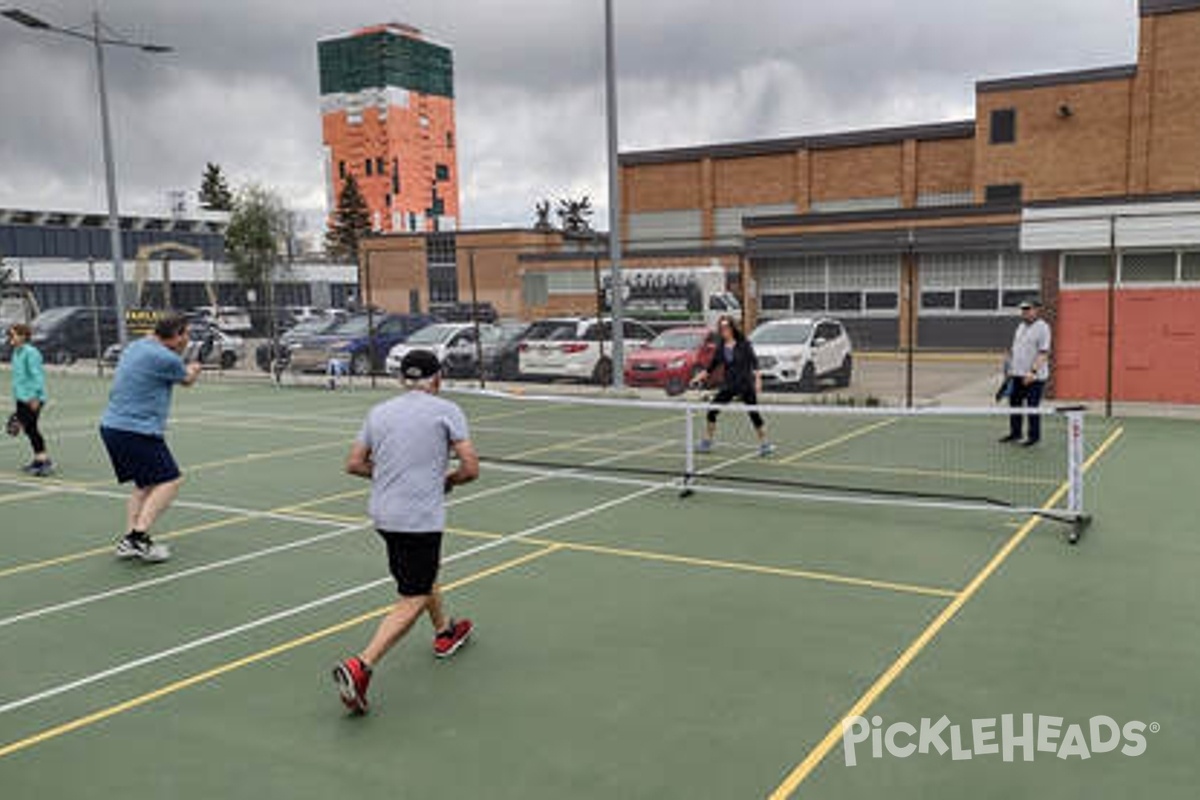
x,y
1157,345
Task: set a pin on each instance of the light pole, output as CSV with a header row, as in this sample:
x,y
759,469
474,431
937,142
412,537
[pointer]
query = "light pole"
x,y
99,40
614,201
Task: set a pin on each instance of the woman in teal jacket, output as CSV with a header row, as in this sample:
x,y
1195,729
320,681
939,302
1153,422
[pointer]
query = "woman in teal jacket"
x,y
29,390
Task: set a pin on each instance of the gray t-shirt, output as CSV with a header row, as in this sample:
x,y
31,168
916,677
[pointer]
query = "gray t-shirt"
x,y
409,437
1030,339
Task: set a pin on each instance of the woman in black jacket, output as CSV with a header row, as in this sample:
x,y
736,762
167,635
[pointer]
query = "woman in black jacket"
x,y
742,380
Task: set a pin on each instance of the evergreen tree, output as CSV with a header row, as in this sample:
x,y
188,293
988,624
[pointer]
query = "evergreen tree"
x,y
214,192
350,223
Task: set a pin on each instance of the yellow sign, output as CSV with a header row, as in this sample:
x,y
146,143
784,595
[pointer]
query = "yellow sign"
x,y
141,321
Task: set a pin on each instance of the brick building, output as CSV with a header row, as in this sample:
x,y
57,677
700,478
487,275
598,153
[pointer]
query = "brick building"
x,y
942,229
387,118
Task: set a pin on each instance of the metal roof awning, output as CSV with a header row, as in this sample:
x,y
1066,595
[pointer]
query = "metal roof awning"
x,y
1123,224
958,239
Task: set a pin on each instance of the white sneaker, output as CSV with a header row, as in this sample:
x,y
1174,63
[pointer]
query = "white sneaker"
x,y
144,549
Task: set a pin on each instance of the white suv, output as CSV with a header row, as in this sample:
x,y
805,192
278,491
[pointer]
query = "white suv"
x,y
796,353
570,347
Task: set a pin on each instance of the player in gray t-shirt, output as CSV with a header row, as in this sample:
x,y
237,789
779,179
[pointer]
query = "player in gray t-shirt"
x,y
404,449
1027,371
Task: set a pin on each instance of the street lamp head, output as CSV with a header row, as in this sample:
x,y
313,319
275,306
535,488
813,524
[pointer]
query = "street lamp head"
x,y
157,48
22,18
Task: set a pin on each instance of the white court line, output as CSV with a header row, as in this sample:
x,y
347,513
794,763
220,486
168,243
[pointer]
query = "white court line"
x,y
129,589
332,598
254,555
192,504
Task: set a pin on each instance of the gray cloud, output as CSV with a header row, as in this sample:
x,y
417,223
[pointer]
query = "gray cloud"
x,y
242,88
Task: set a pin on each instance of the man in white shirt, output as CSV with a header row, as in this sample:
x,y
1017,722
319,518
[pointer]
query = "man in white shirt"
x,y
1028,371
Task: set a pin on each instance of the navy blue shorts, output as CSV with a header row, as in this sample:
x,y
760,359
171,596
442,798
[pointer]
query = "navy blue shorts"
x,y
139,457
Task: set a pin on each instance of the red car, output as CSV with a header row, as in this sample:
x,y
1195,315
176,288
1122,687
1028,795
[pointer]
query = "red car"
x,y
671,359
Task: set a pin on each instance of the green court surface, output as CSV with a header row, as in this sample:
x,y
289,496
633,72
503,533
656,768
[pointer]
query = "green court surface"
x,y
630,643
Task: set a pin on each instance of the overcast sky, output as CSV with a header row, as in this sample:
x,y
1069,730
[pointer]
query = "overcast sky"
x,y
241,89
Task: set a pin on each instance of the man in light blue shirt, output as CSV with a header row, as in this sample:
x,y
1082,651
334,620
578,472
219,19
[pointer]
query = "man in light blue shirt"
x,y
133,427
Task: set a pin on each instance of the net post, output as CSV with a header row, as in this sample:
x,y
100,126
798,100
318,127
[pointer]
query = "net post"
x,y
1075,464
689,456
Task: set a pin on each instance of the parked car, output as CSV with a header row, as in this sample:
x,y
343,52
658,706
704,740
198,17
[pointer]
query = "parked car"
x,y
279,351
575,348
350,344
66,333
501,357
225,351
231,319
463,312
454,343
797,353
671,359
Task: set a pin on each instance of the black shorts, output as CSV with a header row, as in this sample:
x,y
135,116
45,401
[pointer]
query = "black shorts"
x,y
139,457
413,559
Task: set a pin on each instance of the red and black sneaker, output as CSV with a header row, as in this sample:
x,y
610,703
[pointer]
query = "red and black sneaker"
x,y
447,642
352,677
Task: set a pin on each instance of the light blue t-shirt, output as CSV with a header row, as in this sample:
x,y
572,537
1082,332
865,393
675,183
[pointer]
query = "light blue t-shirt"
x,y
140,398
28,377
409,437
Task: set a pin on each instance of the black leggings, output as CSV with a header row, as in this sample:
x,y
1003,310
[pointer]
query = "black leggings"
x,y
29,421
749,397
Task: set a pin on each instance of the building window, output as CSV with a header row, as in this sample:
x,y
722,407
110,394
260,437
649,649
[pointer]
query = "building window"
x,y
1004,126
450,139
1003,193
395,176
441,250
978,299
1148,268
1190,269
342,170
368,167
379,170
442,172
776,302
809,301
1085,269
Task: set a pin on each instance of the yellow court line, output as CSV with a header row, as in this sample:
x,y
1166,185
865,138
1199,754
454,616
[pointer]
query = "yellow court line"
x,y
316,501
585,439
99,551
265,454
30,495
207,675
881,684
200,420
854,434
324,515
233,519
737,566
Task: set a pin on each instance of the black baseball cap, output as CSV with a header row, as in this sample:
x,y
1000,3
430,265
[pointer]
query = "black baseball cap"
x,y
419,364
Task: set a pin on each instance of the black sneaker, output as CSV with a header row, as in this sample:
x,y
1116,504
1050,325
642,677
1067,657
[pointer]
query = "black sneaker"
x,y
142,548
1009,438
42,469
1030,442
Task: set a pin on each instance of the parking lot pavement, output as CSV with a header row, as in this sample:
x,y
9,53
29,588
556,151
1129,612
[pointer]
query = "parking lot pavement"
x,y
938,378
